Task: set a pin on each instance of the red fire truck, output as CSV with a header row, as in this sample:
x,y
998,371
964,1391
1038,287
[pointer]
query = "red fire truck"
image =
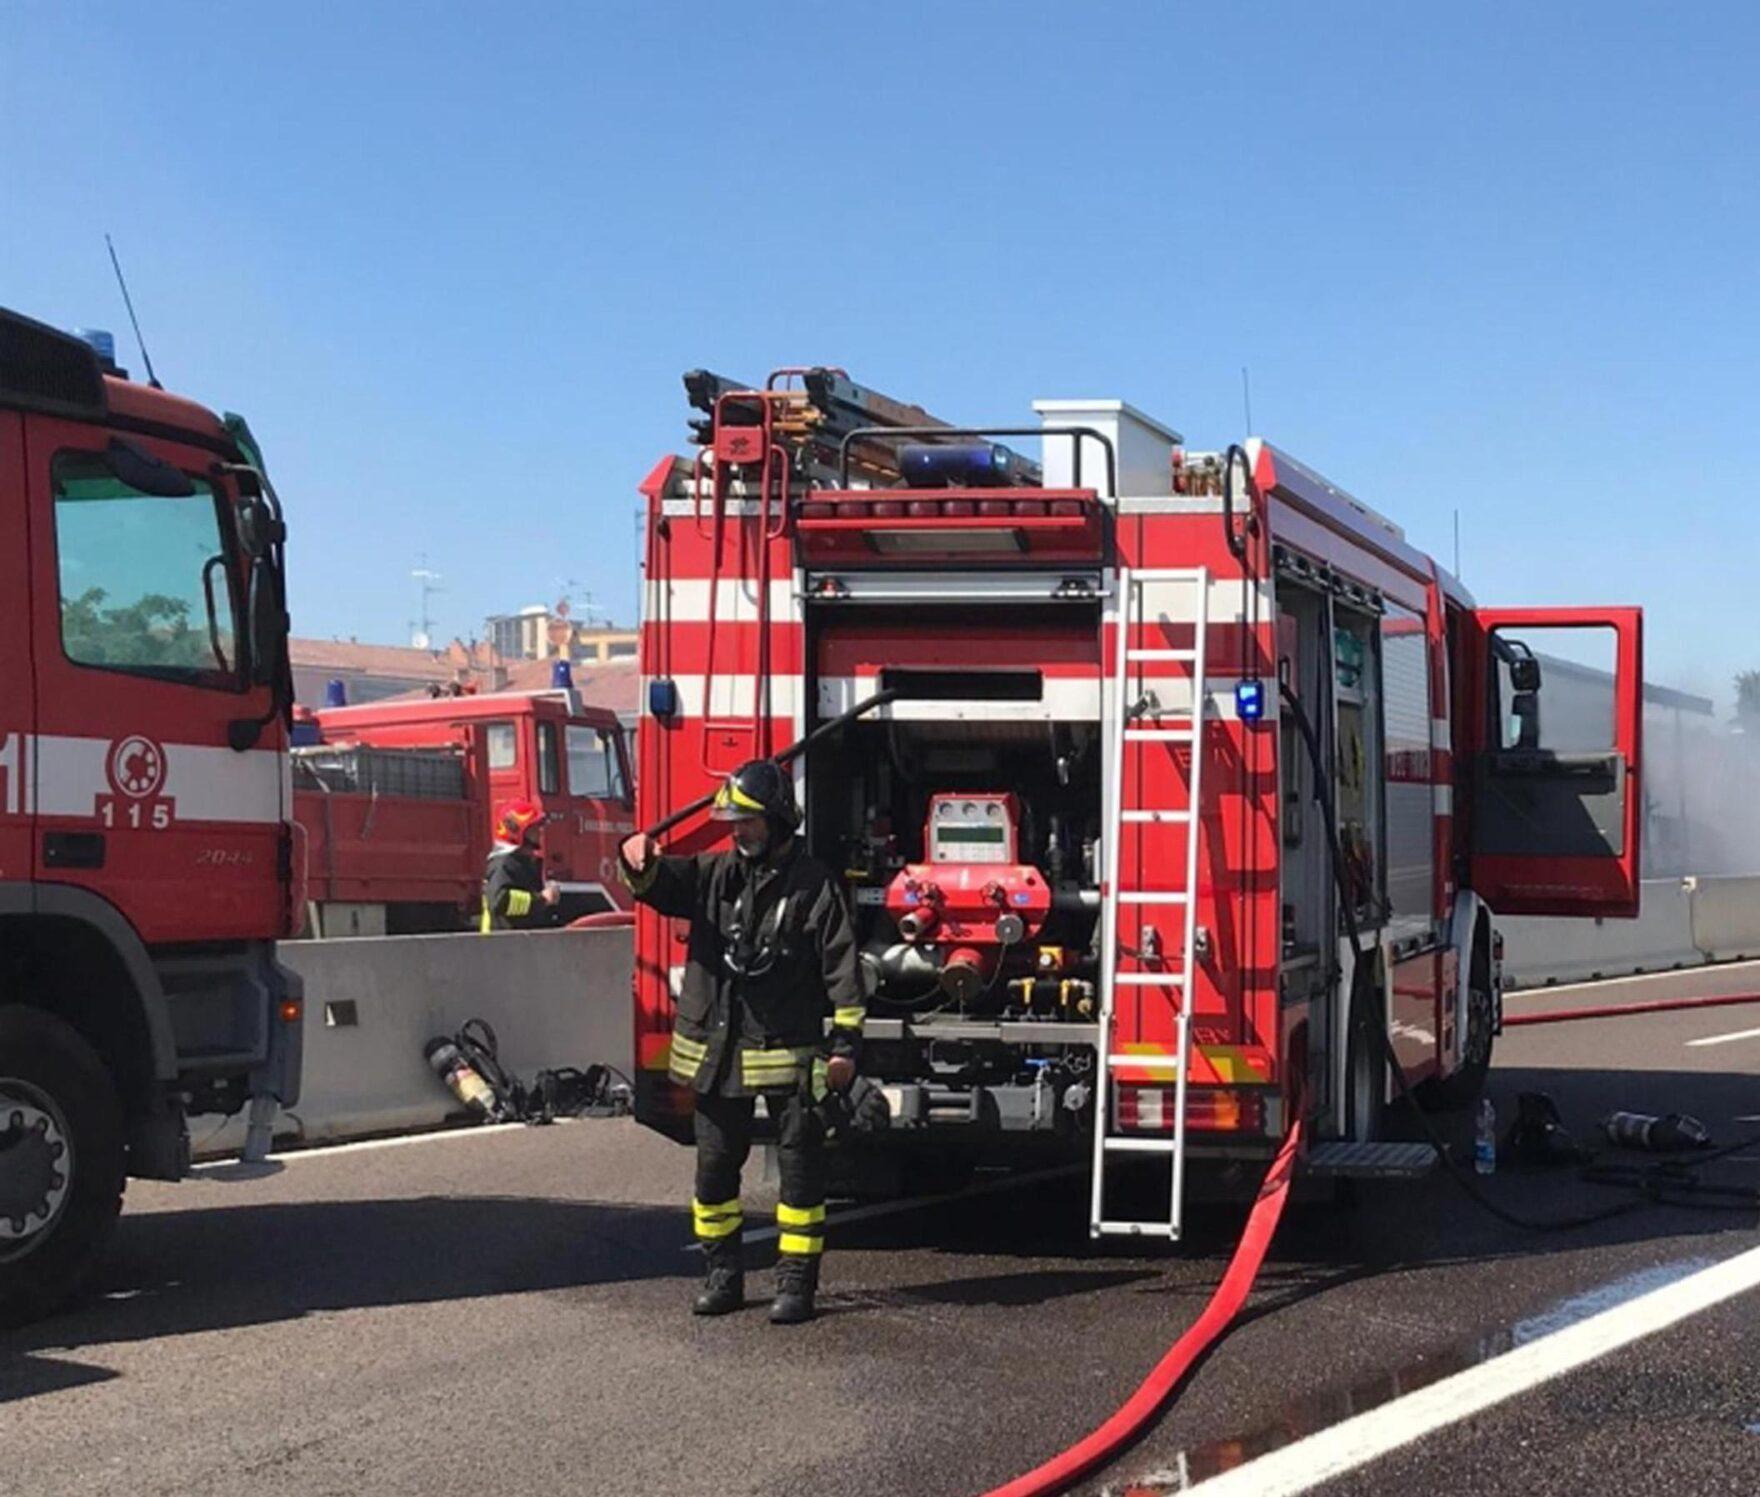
x,y
1145,755
147,856
398,801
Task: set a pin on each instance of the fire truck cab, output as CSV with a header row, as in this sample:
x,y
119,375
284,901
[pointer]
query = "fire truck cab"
x,y
147,858
545,747
1177,789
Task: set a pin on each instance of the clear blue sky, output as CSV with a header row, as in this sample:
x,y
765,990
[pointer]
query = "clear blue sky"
x,y
451,260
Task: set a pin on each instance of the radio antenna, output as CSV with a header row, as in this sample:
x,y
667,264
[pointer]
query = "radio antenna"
x,y
128,301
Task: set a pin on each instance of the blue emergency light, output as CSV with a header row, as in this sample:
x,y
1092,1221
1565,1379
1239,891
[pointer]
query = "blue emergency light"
x,y
335,692
662,698
1249,700
561,676
961,465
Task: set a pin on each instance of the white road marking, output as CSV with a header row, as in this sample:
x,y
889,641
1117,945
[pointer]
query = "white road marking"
x,y
402,1141
916,1203
1357,1441
1724,1039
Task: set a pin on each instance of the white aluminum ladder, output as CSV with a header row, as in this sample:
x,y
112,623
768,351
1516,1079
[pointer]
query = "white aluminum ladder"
x,y
1123,729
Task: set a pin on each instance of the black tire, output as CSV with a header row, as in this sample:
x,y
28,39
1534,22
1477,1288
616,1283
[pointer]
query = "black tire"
x,y
1367,1099
62,1161
1462,1087
1366,1076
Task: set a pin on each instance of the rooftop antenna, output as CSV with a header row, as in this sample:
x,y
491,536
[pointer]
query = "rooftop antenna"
x,y
128,301
1247,399
422,633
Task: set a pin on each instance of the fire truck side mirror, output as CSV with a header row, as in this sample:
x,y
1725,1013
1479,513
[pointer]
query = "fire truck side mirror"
x,y
267,621
258,528
1524,675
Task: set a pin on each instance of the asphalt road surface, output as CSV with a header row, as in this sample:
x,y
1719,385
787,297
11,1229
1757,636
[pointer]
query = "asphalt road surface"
x,y
505,1311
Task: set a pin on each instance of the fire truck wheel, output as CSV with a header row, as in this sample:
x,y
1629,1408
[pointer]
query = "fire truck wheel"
x,y
1367,1097
61,1161
1462,1087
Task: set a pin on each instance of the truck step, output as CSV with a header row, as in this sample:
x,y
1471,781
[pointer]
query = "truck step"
x,y
1343,1159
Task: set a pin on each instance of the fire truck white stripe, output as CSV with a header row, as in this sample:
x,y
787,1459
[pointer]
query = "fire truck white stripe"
x,y
736,600
1359,1440
733,696
1439,734
206,784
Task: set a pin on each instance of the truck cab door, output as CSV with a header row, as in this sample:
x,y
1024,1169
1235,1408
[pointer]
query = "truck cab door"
x,y
601,812
1551,733
138,600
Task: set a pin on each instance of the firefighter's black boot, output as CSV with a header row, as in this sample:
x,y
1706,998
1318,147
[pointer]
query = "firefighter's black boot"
x,y
724,1278
797,1281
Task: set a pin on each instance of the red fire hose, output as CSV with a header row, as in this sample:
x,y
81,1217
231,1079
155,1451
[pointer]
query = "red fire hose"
x,y
1615,1010
1105,1443
1133,1416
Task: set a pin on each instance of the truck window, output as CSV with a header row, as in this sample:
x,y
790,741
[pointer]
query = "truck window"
x,y
1405,706
503,746
593,767
549,779
144,582
1555,689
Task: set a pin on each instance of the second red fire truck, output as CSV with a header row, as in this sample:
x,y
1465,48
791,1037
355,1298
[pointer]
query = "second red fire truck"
x,y
1173,789
398,801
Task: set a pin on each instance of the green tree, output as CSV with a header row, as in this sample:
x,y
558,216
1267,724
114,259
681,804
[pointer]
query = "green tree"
x,y
153,631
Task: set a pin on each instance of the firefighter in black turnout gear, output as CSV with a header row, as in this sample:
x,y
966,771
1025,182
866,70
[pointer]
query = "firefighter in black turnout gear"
x,y
516,895
772,955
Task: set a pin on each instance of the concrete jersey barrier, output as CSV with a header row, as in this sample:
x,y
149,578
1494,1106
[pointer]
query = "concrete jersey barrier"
x,y
1681,923
554,998
1726,917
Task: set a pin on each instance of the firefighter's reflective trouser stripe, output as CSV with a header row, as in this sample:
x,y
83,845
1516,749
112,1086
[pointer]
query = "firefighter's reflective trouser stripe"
x,y
803,1228
723,1127
759,1070
712,1223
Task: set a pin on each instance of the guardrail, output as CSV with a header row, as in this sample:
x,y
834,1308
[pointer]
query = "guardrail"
x,y
1682,922
555,998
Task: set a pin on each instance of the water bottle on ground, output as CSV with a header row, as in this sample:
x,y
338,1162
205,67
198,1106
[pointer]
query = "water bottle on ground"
x,y
1485,1138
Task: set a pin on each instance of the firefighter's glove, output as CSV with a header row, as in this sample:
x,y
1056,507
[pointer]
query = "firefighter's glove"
x,y
869,1110
863,1108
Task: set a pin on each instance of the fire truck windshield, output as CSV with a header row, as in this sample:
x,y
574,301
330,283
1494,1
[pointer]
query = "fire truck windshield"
x,y
593,767
145,585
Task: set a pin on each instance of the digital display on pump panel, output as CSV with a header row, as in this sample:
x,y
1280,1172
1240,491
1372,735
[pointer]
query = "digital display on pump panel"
x,y
969,831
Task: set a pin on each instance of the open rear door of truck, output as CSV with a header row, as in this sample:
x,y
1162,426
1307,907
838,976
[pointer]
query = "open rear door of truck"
x,y
1552,725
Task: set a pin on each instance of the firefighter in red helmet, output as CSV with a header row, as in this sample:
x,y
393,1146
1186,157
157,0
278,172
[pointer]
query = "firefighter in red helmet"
x,y
516,895
772,956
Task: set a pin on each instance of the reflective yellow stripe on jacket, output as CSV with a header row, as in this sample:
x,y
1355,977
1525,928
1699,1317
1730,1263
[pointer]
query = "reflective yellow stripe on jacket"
x,y
686,1059
759,1070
